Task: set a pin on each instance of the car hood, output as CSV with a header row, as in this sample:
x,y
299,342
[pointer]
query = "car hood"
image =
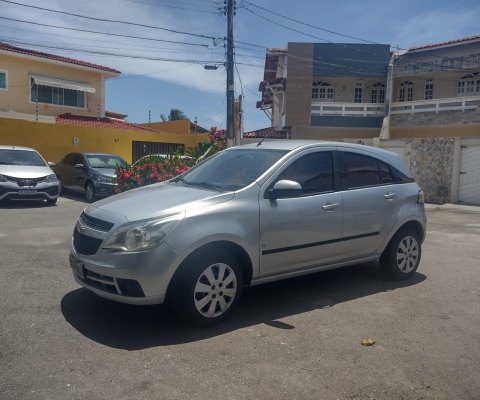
x,y
159,199
104,171
21,171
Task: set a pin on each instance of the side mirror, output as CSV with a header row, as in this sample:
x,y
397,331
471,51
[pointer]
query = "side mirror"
x,y
285,189
79,166
51,164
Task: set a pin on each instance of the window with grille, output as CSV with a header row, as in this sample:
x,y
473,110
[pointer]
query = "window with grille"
x,y
358,93
406,92
378,93
322,90
429,89
469,85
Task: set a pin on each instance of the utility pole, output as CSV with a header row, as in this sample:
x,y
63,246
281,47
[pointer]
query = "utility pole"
x,y
230,76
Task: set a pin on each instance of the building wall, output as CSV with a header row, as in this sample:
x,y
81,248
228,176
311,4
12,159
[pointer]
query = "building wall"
x,y
17,97
54,141
181,127
449,117
299,84
433,131
344,88
332,133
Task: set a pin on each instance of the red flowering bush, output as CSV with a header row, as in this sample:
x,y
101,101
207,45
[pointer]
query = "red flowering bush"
x,y
159,169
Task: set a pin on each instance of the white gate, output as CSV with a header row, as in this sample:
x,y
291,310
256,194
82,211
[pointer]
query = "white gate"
x,y
469,191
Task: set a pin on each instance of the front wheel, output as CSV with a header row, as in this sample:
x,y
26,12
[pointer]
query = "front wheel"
x,y
51,202
90,192
207,290
402,256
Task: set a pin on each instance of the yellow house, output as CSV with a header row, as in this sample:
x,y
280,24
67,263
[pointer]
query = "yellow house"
x,y
35,83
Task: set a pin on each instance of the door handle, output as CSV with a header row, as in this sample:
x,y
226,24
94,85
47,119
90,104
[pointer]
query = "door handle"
x,y
390,196
330,206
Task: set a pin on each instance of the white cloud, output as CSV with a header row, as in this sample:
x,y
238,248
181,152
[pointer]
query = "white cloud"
x,y
438,26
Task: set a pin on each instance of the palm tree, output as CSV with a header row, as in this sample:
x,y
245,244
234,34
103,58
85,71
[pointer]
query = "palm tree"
x,y
175,115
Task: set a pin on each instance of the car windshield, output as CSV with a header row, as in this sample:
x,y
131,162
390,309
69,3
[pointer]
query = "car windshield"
x,y
231,170
105,161
21,157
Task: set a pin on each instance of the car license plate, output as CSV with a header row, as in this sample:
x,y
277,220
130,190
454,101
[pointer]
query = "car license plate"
x,y
77,265
27,191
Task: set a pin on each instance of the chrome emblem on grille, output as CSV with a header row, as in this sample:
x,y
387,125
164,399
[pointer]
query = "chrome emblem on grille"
x,y
27,182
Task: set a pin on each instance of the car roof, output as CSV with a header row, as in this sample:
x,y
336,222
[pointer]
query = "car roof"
x,y
291,145
3,147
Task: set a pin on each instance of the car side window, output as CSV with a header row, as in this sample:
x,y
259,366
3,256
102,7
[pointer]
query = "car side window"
x,y
79,160
385,174
70,159
313,171
362,171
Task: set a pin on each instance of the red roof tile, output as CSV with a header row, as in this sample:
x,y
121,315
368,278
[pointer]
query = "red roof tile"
x,y
466,39
78,120
19,50
269,132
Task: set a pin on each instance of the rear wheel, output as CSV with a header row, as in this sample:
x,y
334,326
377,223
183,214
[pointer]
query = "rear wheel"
x,y
207,291
402,256
90,192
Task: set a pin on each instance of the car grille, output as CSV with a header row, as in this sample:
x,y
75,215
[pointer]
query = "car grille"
x,y
26,182
84,244
95,223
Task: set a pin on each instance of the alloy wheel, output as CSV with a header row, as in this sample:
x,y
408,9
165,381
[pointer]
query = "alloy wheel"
x,y
407,254
215,290
89,193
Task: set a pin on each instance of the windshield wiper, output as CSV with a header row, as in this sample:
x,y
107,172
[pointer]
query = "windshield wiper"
x,y
183,181
206,185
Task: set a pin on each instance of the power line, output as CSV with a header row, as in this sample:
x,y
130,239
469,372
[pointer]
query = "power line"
x,y
109,20
102,33
180,8
173,2
311,26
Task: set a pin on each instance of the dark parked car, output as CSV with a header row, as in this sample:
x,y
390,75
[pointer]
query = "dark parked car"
x,y
89,173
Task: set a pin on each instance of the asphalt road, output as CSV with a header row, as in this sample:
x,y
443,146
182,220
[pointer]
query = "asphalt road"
x,y
295,339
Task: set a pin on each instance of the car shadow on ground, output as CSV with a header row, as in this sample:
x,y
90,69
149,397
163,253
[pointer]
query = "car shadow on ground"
x,y
80,197
129,327
22,204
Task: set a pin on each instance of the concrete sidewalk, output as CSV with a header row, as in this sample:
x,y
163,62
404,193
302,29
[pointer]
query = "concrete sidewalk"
x,y
458,207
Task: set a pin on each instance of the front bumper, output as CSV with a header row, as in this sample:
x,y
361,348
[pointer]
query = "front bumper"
x,y
44,191
103,189
152,270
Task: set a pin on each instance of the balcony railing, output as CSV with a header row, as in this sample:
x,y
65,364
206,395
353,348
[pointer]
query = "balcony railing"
x,y
349,109
437,105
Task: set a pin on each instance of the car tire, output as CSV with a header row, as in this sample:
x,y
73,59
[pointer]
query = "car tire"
x,y
200,294
90,192
61,188
401,258
51,202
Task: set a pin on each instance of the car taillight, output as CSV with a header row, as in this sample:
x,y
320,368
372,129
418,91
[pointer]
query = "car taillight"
x,y
421,197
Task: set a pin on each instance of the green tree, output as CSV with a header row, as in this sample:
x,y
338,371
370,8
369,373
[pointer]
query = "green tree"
x,y
175,115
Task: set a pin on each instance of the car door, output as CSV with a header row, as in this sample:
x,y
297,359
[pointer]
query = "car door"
x,y
80,174
371,203
67,171
298,233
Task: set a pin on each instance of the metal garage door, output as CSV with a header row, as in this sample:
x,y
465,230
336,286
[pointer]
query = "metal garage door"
x,y
469,191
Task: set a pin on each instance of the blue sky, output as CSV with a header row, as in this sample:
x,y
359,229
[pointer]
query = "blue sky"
x,y
201,93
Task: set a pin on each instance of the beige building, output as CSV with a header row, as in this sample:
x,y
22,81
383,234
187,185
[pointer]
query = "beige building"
x,y
34,83
366,91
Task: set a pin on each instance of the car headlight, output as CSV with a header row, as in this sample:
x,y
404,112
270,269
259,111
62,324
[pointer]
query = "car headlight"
x,y
52,178
103,178
143,235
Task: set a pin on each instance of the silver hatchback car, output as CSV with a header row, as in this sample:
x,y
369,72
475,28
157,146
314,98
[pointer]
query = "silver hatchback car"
x,y
246,216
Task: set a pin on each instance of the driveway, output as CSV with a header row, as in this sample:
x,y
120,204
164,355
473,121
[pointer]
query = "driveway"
x,y
295,339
